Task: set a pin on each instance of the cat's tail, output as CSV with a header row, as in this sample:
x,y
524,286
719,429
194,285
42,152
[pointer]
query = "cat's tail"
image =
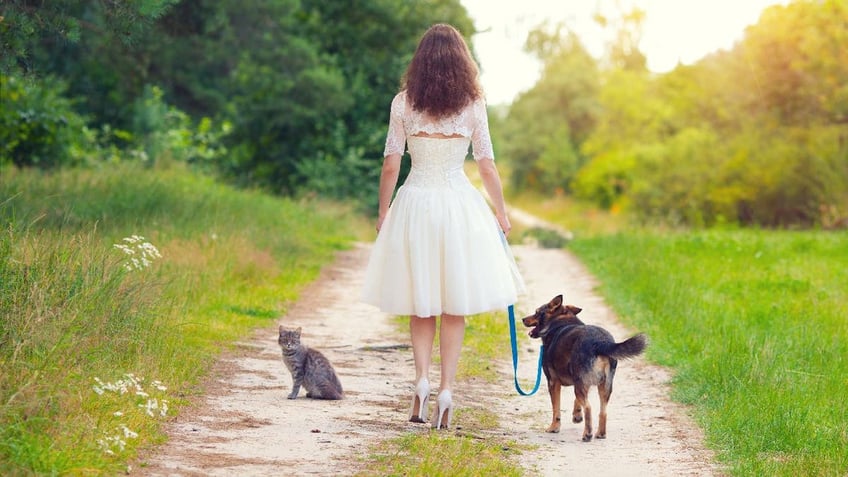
x,y
332,390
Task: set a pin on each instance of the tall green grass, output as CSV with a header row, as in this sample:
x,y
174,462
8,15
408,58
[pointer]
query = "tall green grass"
x,y
94,356
754,325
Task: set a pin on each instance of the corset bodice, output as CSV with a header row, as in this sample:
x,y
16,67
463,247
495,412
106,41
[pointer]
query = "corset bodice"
x,y
437,162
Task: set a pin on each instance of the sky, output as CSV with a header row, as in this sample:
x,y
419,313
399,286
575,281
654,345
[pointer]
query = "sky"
x,y
675,31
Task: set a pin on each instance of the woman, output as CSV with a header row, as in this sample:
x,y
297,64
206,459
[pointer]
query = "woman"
x,y
439,248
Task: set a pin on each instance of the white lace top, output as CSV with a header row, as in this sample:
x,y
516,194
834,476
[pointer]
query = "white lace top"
x,y
472,122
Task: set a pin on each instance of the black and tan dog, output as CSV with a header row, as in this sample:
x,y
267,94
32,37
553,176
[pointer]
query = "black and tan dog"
x,y
580,355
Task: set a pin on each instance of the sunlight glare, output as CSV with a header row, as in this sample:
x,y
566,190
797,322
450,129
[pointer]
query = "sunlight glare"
x,y
675,31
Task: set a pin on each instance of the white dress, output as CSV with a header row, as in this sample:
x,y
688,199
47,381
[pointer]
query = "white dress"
x,y
440,249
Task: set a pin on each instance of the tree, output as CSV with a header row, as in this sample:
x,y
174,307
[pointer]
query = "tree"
x,y
28,25
306,85
623,52
547,125
796,60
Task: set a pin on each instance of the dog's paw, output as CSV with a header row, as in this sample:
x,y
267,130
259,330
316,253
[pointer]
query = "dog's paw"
x,y
553,429
577,418
600,436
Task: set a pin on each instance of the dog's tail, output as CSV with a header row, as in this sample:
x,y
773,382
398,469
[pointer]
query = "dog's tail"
x,y
630,347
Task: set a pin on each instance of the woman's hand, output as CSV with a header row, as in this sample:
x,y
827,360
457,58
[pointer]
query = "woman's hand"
x,y
503,221
380,220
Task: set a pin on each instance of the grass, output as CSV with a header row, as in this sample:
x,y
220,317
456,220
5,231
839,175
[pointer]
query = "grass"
x,y
751,321
579,218
77,326
441,454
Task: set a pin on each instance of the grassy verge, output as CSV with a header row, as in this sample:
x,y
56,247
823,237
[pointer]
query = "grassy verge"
x,y
580,219
97,350
752,322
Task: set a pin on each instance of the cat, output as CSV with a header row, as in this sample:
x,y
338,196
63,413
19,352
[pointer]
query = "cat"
x,y
308,368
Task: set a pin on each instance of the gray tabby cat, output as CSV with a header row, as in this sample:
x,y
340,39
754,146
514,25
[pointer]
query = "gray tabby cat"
x,y
309,368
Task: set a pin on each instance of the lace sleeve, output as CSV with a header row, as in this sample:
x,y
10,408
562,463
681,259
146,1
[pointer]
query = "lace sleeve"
x,y
481,141
396,137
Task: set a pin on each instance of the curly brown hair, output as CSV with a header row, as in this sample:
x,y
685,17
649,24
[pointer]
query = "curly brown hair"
x,y
442,77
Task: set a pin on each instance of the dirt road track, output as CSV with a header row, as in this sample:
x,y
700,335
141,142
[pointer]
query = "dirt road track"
x,y
245,426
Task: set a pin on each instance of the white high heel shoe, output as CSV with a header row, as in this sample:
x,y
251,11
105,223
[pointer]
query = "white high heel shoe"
x,y
420,399
445,410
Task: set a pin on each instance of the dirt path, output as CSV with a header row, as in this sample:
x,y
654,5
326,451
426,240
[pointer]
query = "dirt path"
x,y
245,425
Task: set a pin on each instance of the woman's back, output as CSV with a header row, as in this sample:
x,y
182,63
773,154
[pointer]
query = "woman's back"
x,y
406,123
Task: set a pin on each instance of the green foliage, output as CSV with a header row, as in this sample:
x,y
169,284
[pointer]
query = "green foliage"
x,y
38,125
606,178
301,88
351,176
798,63
753,322
27,26
752,136
162,132
76,315
545,128
623,52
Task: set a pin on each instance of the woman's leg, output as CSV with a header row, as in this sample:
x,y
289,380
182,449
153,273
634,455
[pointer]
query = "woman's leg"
x,y
422,331
451,334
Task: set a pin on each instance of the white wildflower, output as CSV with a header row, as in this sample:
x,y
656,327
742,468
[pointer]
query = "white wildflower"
x,y
138,246
128,433
109,442
151,405
118,414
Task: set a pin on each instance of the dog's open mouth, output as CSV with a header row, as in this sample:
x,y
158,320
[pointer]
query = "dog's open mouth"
x,y
532,321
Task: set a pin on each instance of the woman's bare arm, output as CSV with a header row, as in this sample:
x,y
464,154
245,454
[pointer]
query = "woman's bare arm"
x,y
492,183
388,181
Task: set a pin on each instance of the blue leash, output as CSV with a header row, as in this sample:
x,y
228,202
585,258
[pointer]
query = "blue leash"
x,y
512,337
514,342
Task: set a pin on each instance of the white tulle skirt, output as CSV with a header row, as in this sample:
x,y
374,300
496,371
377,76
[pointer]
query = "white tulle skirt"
x,y
440,250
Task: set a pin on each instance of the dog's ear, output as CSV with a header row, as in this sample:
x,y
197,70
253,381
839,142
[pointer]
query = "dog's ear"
x,y
556,302
573,309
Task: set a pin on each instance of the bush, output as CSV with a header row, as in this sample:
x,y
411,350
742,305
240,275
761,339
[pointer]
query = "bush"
x,y
783,177
38,126
163,132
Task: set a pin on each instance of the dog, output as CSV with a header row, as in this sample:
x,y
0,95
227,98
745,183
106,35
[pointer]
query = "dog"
x,y
581,355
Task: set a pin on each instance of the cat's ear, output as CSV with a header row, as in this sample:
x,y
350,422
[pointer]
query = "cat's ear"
x,y
281,328
298,330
